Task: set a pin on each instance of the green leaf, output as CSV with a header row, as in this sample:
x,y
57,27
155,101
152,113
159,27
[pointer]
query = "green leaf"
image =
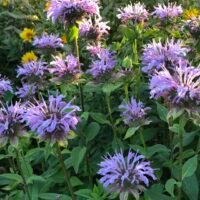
x,y
73,33
75,181
191,187
156,193
169,186
84,193
175,128
131,131
189,167
12,177
162,111
35,178
91,131
77,156
158,148
108,88
99,117
53,196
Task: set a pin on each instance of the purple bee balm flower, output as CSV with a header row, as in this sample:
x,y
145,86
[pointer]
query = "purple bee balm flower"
x,y
11,122
136,13
156,54
26,91
94,49
32,69
193,25
48,42
5,85
181,87
133,112
53,119
69,66
93,29
171,10
69,11
104,63
123,175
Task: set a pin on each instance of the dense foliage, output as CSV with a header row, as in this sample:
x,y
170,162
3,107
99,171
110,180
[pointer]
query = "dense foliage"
x,y
99,100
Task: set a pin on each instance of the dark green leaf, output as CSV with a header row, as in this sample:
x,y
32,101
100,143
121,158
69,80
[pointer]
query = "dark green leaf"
x,y
77,156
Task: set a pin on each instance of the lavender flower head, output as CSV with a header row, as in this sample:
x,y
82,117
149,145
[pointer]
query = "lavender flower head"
x,y
52,119
136,13
32,69
69,66
26,91
94,49
171,10
193,25
48,42
93,29
11,122
133,112
69,11
5,86
156,54
180,87
123,175
104,63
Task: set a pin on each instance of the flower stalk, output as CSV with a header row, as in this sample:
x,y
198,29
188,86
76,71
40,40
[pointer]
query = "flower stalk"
x,y
66,174
22,174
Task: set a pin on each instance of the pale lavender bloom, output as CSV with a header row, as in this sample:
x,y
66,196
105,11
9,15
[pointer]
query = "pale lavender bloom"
x,y
180,86
52,119
129,174
136,13
94,49
133,111
48,42
104,63
156,54
193,25
69,66
69,11
32,69
26,91
5,85
93,29
171,10
11,122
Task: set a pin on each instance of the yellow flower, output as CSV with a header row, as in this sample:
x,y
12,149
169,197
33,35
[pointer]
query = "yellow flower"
x,y
190,13
64,39
27,34
47,5
28,57
5,3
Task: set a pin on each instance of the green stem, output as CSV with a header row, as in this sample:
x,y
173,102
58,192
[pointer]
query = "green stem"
x,y
66,175
110,116
142,139
80,86
22,174
126,91
180,162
